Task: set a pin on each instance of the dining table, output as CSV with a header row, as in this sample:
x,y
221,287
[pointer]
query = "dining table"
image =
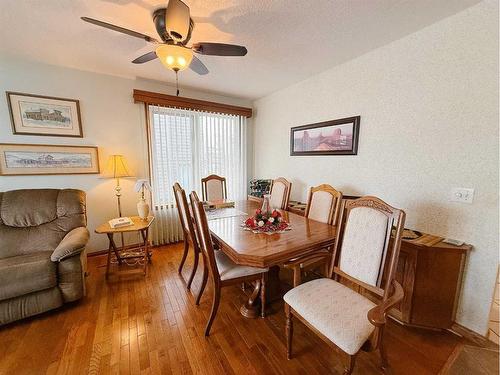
x,y
266,250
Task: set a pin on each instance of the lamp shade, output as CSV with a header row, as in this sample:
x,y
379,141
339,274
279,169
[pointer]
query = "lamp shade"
x,y
117,167
174,57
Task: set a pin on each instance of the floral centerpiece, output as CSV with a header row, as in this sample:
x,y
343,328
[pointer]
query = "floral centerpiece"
x,y
266,222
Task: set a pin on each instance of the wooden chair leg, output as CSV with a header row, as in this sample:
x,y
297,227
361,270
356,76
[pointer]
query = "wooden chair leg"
x,y
263,296
195,266
215,307
349,364
203,282
327,268
184,256
297,277
384,365
289,331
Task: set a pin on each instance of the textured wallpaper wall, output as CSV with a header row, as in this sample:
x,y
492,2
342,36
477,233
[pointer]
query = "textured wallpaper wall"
x,y
429,122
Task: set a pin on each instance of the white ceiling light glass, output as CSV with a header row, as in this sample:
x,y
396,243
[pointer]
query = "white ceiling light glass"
x,y
174,57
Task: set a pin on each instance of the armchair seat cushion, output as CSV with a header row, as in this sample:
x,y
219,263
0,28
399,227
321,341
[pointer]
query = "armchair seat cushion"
x,y
229,270
25,274
336,311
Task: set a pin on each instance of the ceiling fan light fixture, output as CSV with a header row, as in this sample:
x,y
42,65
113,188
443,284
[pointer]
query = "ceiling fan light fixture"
x,y
174,57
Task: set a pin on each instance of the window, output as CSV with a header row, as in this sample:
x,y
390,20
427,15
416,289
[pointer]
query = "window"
x,y
186,146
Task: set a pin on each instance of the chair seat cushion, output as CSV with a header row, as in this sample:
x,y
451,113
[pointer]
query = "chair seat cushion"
x,y
25,274
336,311
230,270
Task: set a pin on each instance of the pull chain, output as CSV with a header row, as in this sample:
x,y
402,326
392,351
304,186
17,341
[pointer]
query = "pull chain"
x,y
177,81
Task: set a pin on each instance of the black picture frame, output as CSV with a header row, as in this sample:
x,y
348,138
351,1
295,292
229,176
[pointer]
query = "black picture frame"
x,y
351,140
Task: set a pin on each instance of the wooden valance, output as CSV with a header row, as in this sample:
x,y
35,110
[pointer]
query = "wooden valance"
x,y
156,98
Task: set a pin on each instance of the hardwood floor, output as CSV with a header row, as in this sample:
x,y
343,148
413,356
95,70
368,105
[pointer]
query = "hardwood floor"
x,y
151,325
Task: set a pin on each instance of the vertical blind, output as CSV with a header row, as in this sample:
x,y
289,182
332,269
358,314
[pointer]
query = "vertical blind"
x,y
186,146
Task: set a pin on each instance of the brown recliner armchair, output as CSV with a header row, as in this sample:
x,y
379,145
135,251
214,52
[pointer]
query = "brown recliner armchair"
x,y
43,236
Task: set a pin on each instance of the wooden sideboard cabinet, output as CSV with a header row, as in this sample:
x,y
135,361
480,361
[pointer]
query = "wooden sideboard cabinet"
x,y
431,277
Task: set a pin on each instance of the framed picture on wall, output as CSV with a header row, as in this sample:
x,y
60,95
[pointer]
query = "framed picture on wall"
x,y
44,115
335,137
27,159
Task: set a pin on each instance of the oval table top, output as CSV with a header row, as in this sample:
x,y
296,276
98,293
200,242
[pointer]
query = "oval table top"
x,y
264,250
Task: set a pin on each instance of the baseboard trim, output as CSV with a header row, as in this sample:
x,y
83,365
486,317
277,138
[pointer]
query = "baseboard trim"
x,y
469,334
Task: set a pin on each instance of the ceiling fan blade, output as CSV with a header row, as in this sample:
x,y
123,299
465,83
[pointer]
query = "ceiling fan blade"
x,y
145,58
219,49
197,66
177,20
120,29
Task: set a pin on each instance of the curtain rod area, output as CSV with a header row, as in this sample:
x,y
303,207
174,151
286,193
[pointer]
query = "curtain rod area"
x,y
155,98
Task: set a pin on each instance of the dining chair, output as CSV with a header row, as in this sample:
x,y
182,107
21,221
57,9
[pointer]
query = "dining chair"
x,y
213,187
187,230
323,205
280,193
341,316
222,270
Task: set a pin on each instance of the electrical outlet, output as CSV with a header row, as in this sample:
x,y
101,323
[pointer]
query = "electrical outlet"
x,y
463,195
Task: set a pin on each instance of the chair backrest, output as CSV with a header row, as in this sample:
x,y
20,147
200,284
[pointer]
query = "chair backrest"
x,y
280,193
362,243
323,204
33,220
202,233
213,187
184,214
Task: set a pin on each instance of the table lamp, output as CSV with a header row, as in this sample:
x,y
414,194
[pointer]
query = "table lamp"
x,y
117,168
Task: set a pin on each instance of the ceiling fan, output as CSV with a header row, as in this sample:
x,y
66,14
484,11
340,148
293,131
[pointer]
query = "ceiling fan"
x,y
175,26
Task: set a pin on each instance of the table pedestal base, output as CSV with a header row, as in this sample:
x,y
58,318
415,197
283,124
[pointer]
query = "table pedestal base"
x,y
252,307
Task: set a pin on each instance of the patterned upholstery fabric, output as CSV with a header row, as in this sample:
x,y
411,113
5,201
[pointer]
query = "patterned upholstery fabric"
x,y
215,190
230,270
277,195
336,311
321,205
363,244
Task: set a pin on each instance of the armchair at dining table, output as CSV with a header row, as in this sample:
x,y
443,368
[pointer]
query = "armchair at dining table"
x,y
323,205
341,316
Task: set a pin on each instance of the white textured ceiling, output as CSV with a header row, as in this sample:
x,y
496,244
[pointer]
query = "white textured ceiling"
x,y
287,40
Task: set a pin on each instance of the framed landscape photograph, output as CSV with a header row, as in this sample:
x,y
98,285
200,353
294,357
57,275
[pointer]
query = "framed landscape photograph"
x,y
335,137
24,159
44,115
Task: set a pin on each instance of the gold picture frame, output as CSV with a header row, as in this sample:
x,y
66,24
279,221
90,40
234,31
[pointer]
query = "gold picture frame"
x,y
44,115
35,159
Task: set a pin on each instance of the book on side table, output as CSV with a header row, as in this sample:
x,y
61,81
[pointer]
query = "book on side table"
x,y
120,222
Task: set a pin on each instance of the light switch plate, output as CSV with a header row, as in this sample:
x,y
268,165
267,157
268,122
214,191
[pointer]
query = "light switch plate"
x,y
463,195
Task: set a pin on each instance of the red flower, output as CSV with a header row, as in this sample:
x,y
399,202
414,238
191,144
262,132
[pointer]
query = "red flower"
x,y
258,211
276,213
250,222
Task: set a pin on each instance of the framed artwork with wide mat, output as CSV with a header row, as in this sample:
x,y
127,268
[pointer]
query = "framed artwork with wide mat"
x,y
28,159
44,115
335,137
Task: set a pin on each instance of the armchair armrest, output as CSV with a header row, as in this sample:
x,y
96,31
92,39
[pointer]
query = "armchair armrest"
x,y
377,315
73,243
